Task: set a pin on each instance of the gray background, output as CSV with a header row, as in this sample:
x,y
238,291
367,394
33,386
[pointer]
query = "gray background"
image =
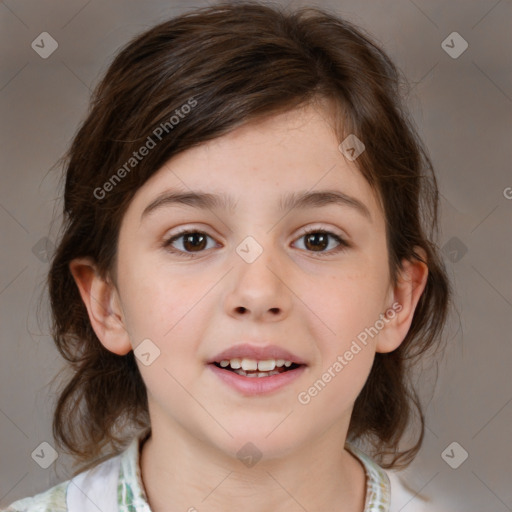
x,y
463,108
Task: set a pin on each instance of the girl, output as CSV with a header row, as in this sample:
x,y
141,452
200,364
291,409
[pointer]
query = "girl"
x,y
246,272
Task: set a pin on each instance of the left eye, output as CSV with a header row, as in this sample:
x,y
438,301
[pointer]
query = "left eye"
x,y
318,239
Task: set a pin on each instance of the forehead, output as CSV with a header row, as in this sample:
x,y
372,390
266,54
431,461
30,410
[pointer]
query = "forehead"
x,y
273,160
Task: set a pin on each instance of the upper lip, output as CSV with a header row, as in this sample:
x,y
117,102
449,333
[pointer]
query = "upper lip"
x,y
258,352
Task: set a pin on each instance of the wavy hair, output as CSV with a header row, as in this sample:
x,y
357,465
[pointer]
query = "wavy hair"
x,y
238,62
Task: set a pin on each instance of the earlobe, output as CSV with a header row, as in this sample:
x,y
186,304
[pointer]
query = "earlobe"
x,y
406,294
100,299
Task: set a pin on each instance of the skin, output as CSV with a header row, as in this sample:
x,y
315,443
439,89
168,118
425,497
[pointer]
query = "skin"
x,y
191,308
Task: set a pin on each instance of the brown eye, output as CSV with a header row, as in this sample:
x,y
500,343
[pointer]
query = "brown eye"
x,y
188,242
194,242
318,240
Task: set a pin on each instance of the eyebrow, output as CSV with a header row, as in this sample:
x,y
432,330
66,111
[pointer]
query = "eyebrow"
x,y
290,201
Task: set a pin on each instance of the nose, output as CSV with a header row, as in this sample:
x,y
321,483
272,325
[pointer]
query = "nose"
x,y
259,290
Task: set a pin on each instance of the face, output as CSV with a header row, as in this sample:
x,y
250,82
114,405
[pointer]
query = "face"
x,y
196,279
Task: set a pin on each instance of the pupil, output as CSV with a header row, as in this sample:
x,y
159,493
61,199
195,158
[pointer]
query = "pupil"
x,y
316,237
190,237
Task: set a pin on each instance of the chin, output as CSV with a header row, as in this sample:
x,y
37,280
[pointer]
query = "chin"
x,y
257,445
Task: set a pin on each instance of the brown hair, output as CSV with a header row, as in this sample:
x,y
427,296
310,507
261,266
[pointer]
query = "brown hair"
x,y
236,62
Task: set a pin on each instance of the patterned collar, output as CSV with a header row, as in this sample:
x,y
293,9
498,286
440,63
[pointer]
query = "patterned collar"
x,y
378,489
132,497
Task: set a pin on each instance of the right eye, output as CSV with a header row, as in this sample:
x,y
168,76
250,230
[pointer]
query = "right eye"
x,y
191,242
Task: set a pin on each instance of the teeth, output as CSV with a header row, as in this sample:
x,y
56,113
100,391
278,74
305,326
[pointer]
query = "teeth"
x,y
259,374
248,364
235,363
266,366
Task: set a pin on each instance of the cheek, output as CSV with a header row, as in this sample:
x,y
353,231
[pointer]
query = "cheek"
x,y
333,389
169,318
154,301
168,312
345,304
166,316
149,309
348,309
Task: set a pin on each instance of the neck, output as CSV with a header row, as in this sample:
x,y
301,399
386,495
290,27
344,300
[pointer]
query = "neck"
x,y
182,473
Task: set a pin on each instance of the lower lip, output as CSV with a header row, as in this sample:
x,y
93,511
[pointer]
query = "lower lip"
x,y
257,385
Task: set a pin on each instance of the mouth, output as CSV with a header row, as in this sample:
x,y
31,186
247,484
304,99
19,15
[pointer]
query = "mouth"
x,y
254,370
257,381
248,367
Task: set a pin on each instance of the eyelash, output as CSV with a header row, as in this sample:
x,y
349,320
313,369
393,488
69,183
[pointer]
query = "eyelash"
x,y
343,244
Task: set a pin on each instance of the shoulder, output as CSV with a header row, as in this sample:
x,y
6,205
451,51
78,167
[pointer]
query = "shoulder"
x,y
52,500
95,486
78,494
404,496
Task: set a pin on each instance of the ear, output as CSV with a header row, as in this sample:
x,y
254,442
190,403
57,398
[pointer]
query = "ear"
x,y
103,306
404,297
